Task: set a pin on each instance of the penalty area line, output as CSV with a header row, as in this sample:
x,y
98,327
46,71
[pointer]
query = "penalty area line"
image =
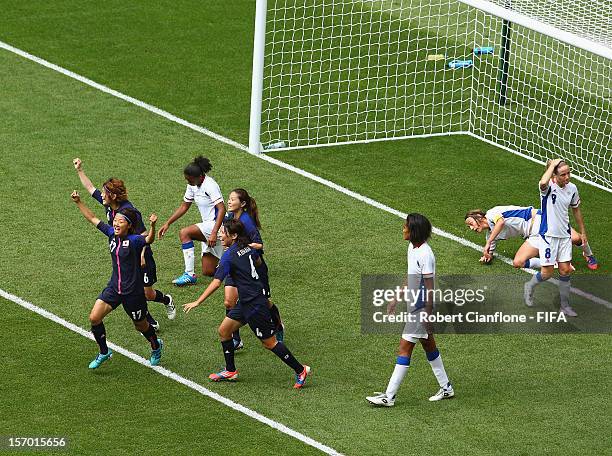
x,y
271,160
173,376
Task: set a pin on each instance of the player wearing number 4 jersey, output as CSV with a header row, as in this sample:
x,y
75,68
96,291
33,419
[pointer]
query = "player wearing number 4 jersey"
x,y
558,195
240,262
421,272
114,199
125,285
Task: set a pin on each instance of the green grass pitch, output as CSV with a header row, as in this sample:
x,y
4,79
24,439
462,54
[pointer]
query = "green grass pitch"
x,y
516,394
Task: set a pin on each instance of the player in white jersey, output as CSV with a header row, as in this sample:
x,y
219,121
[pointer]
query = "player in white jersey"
x,y
205,192
558,195
508,222
421,271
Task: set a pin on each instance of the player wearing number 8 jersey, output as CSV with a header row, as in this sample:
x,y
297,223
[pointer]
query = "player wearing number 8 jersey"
x,y
555,245
240,261
125,285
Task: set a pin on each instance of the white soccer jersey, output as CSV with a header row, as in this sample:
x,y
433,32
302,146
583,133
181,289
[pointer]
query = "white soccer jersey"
x,y
556,202
517,220
421,265
206,196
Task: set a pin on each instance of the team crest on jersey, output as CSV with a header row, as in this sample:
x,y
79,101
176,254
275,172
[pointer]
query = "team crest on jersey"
x,y
126,243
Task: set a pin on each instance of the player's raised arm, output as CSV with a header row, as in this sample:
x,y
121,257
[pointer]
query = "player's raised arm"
x,y
178,213
212,287
547,176
150,237
78,165
87,213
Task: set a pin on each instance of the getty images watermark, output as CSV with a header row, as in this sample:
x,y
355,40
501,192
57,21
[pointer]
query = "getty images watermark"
x,y
484,304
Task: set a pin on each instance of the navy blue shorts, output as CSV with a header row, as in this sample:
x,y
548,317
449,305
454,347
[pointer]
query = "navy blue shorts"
x,y
149,271
135,304
257,316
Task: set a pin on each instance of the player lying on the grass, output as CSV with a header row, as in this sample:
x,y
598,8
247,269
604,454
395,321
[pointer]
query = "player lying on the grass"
x,y
558,195
113,197
240,263
242,207
204,191
420,276
125,285
508,222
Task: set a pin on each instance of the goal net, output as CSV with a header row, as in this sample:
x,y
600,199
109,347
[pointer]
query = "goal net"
x,y
531,76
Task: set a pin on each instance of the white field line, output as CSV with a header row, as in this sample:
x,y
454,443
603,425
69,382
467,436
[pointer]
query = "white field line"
x,y
267,158
174,376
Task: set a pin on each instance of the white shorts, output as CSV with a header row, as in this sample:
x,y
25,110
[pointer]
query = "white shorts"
x,y
413,331
534,241
206,229
555,250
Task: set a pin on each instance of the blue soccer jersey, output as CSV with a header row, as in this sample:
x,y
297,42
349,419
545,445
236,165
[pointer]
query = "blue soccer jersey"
x,y
239,264
125,255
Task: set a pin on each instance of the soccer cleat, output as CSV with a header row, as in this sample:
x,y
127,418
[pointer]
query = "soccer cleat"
x,y
443,393
223,376
528,294
185,279
567,310
157,354
238,344
381,400
171,308
591,262
301,378
100,359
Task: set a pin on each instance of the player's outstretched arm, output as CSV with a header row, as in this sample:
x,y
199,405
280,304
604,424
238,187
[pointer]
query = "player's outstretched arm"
x,y
78,165
212,287
182,209
150,237
87,213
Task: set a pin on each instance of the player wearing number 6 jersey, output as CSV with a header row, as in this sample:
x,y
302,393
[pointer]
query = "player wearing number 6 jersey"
x,y
555,245
240,262
125,285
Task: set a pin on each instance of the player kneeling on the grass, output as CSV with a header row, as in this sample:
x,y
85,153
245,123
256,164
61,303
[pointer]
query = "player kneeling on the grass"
x,y
125,285
558,195
240,261
507,222
421,271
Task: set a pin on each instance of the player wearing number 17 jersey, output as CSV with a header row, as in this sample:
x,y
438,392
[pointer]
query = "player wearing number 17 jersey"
x,y
240,262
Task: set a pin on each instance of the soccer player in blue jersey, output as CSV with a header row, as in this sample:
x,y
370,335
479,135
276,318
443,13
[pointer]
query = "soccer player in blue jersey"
x,y
125,285
240,261
420,276
206,194
241,206
558,195
113,197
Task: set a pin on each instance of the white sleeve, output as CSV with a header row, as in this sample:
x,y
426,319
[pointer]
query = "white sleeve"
x,y
215,194
189,195
545,191
429,265
575,201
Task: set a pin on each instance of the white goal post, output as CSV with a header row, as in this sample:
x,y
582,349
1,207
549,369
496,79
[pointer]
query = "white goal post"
x,y
533,77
